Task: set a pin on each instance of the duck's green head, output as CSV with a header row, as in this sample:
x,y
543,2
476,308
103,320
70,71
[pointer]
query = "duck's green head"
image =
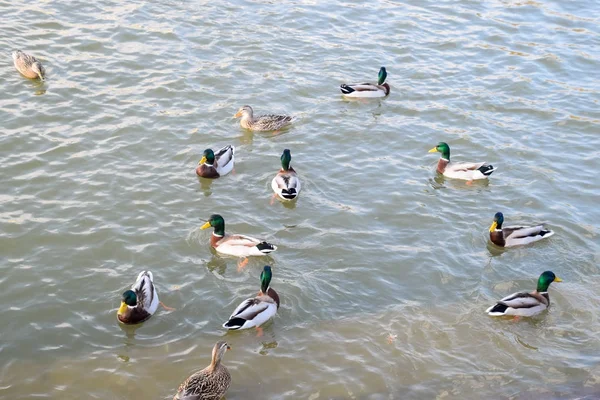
x,y
265,279
127,299
217,222
498,221
382,76
208,157
286,158
546,278
443,148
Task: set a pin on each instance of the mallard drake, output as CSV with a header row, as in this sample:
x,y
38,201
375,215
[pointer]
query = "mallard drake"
x,y
382,89
526,304
286,184
516,235
211,383
29,66
216,165
139,303
262,122
235,245
256,311
460,170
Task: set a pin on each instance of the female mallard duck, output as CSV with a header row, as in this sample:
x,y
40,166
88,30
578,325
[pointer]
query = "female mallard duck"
x,y
262,122
216,165
526,304
460,170
256,311
139,303
516,235
235,245
382,89
29,66
211,383
286,184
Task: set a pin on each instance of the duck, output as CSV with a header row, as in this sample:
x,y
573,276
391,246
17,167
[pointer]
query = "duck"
x,y
516,235
140,302
268,122
29,66
286,184
214,165
382,89
256,311
526,304
461,170
210,383
235,245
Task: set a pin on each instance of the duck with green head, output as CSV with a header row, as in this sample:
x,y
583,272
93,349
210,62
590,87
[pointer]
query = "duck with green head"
x,y
214,165
256,311
381,89
139,303
286,184
526,304
510,236
460,170
235,245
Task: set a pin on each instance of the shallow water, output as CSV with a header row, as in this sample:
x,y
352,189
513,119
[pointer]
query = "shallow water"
x,y
384,269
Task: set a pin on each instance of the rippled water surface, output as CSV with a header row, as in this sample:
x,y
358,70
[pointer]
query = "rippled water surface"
x,y
384,269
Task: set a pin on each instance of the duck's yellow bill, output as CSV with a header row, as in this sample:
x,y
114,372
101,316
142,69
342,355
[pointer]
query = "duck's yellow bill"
x,y
494,226
237,114
202,160
123,308
205,226
434,150
557,279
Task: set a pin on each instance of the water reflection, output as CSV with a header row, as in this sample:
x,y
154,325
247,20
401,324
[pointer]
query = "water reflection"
x,y
205,186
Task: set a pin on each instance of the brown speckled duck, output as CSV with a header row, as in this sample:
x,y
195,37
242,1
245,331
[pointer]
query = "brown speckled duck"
x,y
29,66
211,383
262,122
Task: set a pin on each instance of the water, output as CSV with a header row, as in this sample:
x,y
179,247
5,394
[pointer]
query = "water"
x,y
384,269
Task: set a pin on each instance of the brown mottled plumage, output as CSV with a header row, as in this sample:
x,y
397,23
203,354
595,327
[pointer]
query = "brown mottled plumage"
x,y
29,66
211,383
262,122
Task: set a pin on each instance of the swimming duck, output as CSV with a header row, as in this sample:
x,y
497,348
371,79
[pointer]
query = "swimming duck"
x,y
286,184
256,311
516,235
211,383
235,245
526,304
139,303
216,165
262,122
460,170
29,66
382,89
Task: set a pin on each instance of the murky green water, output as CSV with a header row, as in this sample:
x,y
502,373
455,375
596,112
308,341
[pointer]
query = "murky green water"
x,y
97,176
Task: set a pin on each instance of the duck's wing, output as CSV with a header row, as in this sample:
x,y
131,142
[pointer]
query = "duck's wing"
x,y
519,235
271,122
224,159
252,312
145,292
520,303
